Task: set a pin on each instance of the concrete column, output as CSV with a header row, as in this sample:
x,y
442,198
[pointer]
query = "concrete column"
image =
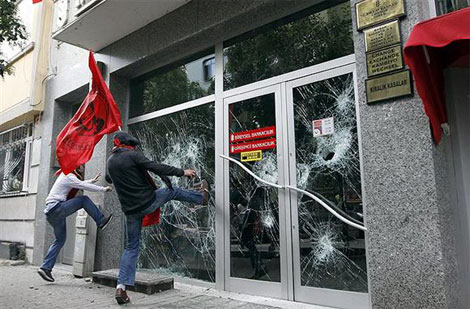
x,y
54,118
110,242
411,262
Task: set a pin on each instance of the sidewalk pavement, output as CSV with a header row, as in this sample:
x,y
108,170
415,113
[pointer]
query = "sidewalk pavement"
x,y
21,287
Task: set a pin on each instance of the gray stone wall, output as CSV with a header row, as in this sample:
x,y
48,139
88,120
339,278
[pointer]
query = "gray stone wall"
x,y
409,241
110,243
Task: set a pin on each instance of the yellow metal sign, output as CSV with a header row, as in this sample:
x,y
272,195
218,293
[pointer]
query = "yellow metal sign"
x,y
371,12
389,86
384,61
248,156
382,36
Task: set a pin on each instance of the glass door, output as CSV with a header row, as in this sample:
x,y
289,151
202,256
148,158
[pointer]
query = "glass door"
x,y
328,255
254,224
293,199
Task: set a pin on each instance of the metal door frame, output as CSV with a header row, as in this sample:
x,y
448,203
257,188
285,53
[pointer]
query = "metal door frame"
x,y
320,296
249,286
283,86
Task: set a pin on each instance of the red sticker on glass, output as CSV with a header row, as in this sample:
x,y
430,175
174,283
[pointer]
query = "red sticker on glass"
x,y
252,134
255,145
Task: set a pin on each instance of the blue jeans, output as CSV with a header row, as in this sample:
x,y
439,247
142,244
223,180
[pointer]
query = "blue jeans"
x,y
129,257
56,217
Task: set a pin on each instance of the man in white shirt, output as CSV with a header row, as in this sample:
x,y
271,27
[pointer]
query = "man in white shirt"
x,y
61,203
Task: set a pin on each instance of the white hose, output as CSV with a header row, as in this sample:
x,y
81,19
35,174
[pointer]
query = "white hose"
x,y
315,198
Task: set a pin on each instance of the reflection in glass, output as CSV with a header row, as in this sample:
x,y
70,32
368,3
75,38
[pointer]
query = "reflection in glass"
x,y
172,85
316,35
447,6
254,207
184,241
332,254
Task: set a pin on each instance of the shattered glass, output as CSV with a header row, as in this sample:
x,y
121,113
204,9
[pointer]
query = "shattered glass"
x,y
184,242
332,254
254,207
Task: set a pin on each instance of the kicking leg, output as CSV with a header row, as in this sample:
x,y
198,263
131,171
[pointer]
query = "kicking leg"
x,y
164,195
79,202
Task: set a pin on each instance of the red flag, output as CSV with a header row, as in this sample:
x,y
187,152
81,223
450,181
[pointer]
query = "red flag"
x,y
98,115
36,1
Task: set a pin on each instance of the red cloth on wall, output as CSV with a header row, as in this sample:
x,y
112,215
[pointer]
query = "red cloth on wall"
x,y
433,45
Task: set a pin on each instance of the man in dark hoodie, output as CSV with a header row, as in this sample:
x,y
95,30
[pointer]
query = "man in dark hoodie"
x,y
128,171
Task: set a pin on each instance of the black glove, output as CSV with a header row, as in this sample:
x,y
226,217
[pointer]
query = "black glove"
x,y
167,182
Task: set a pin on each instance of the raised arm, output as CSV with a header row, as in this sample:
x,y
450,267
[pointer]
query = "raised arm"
x,y
84,185
157,168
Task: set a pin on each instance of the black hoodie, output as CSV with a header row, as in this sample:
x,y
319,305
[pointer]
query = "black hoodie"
x,y
127,170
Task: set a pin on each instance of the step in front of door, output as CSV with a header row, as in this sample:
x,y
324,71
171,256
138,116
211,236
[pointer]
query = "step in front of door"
x,y
145,281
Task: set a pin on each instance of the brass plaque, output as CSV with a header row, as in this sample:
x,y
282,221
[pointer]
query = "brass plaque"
x,y
390,86
371,12
382,36
384,60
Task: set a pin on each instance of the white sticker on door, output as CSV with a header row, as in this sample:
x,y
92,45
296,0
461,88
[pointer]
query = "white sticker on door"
x,y
322,127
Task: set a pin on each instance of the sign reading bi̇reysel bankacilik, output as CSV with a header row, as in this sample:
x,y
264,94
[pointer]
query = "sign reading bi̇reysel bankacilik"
x,y
252,134
384,60
389,86
382,36
372,12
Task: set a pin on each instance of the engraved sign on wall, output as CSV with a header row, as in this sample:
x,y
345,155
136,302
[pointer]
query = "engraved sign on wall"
x,y
372,12
384,60
382,36
389,86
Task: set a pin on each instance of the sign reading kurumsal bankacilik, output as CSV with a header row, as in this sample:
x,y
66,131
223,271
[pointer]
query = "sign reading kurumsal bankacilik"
x,y
253,145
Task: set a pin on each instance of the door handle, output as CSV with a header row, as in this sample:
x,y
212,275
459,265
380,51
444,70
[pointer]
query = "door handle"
x,y
312,196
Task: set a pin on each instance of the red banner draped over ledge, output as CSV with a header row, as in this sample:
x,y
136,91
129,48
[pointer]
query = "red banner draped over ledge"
x,y
433,45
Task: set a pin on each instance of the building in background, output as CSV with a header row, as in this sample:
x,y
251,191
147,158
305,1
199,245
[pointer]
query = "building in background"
x,y
295,82
21,107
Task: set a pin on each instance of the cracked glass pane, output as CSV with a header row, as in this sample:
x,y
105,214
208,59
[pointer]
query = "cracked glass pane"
x,y
332,254
184,242
254,207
